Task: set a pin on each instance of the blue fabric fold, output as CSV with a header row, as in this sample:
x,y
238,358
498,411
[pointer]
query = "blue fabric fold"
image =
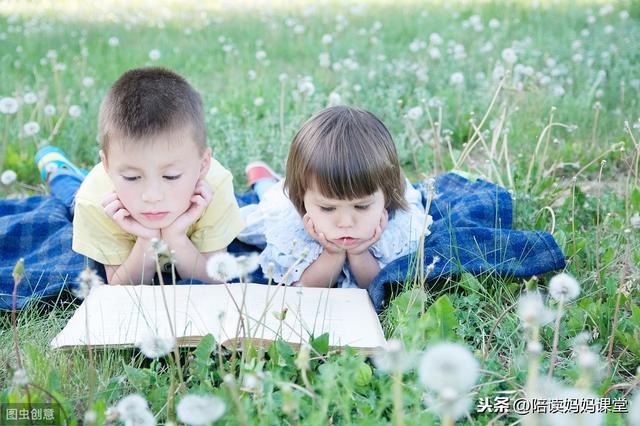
x,y
471,232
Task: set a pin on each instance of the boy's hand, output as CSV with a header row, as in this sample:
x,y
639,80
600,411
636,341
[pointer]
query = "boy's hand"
x,y
364,246
114,208
319,236
202,195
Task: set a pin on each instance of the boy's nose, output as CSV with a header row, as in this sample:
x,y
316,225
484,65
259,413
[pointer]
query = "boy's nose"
x,y
152,195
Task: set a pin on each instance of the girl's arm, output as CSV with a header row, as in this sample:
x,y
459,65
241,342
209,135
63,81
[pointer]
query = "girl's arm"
x,y
364,267
324,271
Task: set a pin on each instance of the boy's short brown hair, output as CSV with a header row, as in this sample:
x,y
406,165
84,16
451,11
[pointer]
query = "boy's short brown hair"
x,y
346,153
145,102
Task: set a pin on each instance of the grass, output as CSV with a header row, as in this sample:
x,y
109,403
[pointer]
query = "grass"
x,y
583,83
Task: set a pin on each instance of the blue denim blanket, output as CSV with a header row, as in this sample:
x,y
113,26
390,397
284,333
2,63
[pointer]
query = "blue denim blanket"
x,y
471,232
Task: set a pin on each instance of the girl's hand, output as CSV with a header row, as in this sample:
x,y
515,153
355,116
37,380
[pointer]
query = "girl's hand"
x,y
114,208
319,237
364,246
200,199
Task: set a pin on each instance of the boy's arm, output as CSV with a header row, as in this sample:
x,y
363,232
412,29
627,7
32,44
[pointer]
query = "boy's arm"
x,y
324,271
190,263
139,268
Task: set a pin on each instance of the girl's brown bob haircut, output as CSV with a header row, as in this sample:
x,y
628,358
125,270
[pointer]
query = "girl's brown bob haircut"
x,y
344,153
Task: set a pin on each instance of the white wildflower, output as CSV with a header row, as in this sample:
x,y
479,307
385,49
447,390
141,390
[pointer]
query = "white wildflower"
x,y
448,365
8,105
134,410
494,23
30,98
159,247
8,177
248,264
90,417
154,54
457,78
200,409
88,81
154,346
251,75
609,29
334,99
509,56
49,110
306,87
414,113
434,53
259,101
87,280
327,39
282,77
532,311
223,267
435,39
31,128
298,29
113,41
261,55
60,67
564,286
635,220
20,378
624,15
558,91
393,358
448,404
75,111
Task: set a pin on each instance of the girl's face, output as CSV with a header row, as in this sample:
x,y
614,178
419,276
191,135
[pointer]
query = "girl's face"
x,y
345,223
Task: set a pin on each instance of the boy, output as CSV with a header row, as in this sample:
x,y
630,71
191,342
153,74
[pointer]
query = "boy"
x,y
156,180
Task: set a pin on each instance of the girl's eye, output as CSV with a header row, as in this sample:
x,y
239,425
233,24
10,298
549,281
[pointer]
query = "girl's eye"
x,y
363,207
130,178
327,209
175,177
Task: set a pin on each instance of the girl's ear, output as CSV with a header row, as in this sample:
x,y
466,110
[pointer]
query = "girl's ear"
x,y
205,163
103,159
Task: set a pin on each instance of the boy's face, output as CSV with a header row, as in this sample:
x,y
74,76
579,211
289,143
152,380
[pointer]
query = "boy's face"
x,y
155,180
346,223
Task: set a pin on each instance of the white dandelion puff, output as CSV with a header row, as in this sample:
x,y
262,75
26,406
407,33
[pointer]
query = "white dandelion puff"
x,y
414,113
154,54
509,56
324,60
448,365
327,39
8,177
248,264
113,41
153,346
30,98
259,101
75,111
90,417
393,358
564,286
88,81
435,39
633,416
457,78
8,105
87,280
448,404
20,378
31,128
198,410
134,410
334,99
532,311
49,110
568,418
223,267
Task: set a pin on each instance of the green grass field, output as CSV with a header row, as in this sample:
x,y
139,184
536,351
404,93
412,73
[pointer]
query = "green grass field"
x,y
541,97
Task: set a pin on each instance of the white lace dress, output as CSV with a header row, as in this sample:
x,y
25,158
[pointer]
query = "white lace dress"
x,y
275,225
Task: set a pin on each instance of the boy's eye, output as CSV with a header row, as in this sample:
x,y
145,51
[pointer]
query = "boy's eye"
x,y
174,177
130,178
362,207
327,209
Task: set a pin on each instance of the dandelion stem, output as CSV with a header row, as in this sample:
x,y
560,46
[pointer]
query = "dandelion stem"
x,y
398,415
556,337
625,271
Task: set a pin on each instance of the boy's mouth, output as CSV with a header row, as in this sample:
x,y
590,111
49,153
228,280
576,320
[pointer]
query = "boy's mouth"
x,y
155,215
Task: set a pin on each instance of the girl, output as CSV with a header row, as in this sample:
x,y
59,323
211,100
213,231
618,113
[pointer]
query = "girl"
x,y
344,209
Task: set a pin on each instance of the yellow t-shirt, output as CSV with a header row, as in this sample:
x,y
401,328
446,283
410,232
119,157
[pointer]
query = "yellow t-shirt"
x,y
98,237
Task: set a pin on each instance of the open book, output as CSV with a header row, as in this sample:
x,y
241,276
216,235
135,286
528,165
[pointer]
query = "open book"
x,y
235,314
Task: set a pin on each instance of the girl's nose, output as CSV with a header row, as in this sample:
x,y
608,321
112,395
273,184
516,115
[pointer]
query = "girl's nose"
x,y
345,220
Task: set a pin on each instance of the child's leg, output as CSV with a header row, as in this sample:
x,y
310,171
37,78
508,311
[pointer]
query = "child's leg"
x,y
60,174
260,177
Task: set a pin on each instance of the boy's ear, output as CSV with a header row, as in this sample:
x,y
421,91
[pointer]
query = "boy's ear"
x,y
205,163
103,158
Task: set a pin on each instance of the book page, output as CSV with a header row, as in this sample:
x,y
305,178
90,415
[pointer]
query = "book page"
x,y
294,314
124,315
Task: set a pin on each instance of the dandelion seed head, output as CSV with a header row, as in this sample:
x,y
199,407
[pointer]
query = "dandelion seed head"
x,y
259,101
8,177
49,110
20,378
393,358
134,410
223,267
30,98
198,410
90,417
113,41
564,286
154,346
414,113
248,264
509,56
448,364
633,416
75,111
154,54
584,419
446,407
87,280
8,105
532,310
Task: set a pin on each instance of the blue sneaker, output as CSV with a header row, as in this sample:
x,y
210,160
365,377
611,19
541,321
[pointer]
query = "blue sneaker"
x,y
50,158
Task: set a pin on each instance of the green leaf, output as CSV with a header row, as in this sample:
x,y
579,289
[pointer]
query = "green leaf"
x,y
635,199
321,343
439,322
470,282
205,347
138,377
